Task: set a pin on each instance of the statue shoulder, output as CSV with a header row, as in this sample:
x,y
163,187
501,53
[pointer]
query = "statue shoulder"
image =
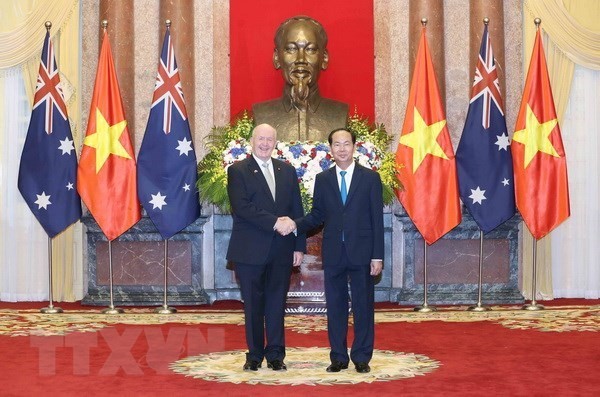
x,y
267,105
335,110
332,104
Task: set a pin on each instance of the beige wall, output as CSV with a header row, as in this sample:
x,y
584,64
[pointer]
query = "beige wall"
x,y
392,62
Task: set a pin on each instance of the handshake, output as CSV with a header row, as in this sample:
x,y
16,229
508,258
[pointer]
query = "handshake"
x,y
284,225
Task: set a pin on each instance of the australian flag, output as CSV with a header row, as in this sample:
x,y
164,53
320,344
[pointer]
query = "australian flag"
x,y
167,161
48,169
483,157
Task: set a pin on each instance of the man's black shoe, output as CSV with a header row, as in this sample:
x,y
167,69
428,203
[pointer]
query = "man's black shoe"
x,y
337,366
362,368
251,365
277,365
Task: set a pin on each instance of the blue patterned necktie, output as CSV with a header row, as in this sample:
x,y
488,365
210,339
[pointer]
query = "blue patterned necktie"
x,y
343,188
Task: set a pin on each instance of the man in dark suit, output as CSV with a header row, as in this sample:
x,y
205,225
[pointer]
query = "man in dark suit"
x,y
261,190
348,201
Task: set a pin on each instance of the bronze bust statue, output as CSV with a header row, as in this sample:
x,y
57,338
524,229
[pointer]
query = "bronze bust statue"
x,y
301,114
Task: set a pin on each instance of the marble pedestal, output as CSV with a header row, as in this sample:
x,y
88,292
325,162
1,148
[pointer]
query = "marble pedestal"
x,y
138,266
306,286
453,263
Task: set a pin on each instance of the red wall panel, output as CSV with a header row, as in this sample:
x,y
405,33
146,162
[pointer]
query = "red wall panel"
x,y
349,26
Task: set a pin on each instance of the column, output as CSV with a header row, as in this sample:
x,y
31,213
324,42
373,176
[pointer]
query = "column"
x,y
433,10
181,14
121,34
494,10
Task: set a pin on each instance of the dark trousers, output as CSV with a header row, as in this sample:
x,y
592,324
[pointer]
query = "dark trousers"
x,y
362,289
264,291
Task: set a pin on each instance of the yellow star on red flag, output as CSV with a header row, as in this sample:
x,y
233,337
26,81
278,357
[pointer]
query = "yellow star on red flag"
x,y
106,174
424,157
423,139
535,136
106,140
539,160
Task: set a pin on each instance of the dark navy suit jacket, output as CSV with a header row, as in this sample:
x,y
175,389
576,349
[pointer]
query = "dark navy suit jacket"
x,y
360,219
255,212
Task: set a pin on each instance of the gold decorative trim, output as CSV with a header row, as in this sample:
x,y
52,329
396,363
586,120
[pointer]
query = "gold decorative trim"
x,y
554,319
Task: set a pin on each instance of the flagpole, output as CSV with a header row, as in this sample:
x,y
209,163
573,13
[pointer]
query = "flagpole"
x,y
479,307
111,309
51,309
534,305
165,309
425,308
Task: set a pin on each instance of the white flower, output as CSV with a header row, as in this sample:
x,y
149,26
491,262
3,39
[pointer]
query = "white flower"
x,y
308,158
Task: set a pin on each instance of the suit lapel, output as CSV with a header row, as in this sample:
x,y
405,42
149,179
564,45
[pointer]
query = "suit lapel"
x,y
356,176
279,182
332,179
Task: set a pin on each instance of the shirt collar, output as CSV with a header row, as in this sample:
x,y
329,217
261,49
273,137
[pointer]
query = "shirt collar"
x,y
349,170
261,162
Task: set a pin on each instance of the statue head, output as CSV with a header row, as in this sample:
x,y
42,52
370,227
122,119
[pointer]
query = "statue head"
x,y
301,54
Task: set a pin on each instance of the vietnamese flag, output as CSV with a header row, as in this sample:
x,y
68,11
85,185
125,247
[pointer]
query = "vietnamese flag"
x,y
427,168
539,162
106,174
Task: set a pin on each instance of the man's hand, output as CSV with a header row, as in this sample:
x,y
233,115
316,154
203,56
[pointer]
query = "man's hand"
x,y
376,267
284,225
298,256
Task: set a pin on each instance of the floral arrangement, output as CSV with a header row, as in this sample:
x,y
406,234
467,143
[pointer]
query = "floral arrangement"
x,y
229,144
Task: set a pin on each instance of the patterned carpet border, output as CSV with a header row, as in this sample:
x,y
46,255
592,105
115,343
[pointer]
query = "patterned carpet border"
x,y
554,319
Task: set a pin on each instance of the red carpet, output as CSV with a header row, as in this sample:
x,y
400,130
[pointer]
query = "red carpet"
x,y
500,353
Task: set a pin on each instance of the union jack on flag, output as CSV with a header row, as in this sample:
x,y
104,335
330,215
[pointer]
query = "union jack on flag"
x,y
167,161
483,156
48,168
168,86
48,91
486,82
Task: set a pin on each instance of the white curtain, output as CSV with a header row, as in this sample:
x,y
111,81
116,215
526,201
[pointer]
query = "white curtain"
x,y
23,242
575,258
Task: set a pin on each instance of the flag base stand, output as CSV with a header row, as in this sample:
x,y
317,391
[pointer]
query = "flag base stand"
x,y
478,308
113,310
425,308
165,310
51,310
533,306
